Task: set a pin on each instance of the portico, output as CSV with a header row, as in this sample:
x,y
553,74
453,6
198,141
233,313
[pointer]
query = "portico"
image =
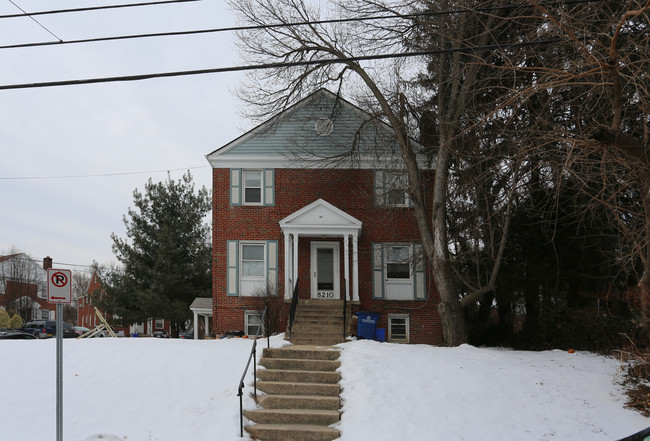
x,y
320,221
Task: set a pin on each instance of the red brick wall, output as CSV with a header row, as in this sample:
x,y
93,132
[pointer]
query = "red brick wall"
x,y
349,190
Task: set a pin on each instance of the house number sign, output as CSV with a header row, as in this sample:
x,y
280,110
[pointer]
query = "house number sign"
x,y
325,294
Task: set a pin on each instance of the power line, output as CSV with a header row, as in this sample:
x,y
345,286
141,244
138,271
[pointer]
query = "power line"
x,y
36,21
251,67
27,178
93,8
277,25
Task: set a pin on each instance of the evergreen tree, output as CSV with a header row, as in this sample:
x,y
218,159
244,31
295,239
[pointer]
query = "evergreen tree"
x,y
166,257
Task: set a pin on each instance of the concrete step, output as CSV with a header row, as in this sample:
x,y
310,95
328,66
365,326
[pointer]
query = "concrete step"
x,y
321,417
320,302
299,365
316,330
292,432
288,388
298,376
302,352
297,340
298,402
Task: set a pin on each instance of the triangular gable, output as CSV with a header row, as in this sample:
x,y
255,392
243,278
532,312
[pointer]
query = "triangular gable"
x,y
318,128
320,217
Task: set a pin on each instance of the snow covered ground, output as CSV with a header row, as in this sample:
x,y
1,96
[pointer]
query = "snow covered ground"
x,y
132,389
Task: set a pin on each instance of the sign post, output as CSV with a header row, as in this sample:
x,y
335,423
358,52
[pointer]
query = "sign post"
x,y
59,291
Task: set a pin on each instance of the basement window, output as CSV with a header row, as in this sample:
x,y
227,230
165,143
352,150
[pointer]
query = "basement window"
x,y
252,322
398,328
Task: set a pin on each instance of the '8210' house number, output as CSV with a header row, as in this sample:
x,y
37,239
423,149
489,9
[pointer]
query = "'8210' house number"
x,y
325,294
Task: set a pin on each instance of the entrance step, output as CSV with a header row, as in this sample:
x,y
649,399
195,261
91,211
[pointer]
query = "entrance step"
x,y
292,432
302,395
318,322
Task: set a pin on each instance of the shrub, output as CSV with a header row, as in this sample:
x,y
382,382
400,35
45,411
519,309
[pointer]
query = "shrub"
x,y
4,319
16,322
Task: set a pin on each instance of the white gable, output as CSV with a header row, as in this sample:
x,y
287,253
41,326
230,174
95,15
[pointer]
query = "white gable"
x,y
322,218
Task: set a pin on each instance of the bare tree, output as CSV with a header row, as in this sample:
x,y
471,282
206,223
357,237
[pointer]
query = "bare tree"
x,y
23,280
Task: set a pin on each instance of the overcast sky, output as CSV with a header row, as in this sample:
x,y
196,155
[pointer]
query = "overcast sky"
x,y
111,128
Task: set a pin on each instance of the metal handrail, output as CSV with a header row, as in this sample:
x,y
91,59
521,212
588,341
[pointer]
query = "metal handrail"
x,y
345,309
294,306
253,355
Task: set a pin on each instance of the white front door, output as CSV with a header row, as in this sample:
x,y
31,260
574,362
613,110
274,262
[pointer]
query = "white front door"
x,y
325,280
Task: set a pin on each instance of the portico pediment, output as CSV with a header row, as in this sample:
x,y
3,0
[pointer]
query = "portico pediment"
x,y
320,218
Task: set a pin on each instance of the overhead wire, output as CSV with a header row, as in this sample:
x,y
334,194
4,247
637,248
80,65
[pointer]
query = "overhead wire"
x,y
251,67
277,25
99,175
36,21
92,8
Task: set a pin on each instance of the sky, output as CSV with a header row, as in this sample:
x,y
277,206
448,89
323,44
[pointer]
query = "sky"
x,y
389,392
55,141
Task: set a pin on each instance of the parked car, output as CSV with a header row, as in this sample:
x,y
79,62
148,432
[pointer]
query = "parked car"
x,y
188,335
160,333
15,334
47,328
80,330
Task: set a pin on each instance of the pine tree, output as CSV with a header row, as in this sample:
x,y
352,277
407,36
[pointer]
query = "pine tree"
x,y
166,257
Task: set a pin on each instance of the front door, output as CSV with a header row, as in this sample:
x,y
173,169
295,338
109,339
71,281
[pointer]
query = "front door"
x,y
325,270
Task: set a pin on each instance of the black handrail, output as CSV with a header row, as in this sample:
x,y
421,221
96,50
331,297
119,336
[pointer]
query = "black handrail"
x,y
294,306
252,355
345,309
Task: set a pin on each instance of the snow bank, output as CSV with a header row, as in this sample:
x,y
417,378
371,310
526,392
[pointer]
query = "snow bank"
x,y
132,389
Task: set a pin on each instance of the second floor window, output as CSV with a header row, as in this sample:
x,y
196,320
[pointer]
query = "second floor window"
x,y
252,187
391,188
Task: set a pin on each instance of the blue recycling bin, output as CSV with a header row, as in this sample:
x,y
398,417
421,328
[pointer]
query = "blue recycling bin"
x,y
366,324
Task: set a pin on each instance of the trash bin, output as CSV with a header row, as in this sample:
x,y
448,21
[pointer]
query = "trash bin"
x,y
366,324
380,335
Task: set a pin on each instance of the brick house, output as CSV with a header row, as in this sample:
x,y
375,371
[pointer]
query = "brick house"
x,y
291,209
86,314
23,288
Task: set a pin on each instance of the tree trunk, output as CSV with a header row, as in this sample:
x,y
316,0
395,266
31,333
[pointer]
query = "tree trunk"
x,y
451,313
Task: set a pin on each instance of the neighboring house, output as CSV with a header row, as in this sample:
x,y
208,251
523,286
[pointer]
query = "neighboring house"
x,y
290,210
87,317
23,288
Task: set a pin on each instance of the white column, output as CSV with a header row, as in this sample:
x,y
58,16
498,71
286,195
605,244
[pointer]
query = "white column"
x,y
195,325
207,324
346,250
294,271
355,268
287,267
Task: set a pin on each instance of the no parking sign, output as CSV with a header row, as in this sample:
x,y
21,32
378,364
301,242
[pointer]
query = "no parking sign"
x,y
59,286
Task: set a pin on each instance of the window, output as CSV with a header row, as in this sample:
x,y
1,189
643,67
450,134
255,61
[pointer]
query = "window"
x,y
252,260
398,271
252,267
252,187
398,328
160,323
398,262
391,188
252,322
45,314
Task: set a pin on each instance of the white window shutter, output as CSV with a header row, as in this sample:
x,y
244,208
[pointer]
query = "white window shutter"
x,y
377,271
269,186
235,186
232,274
380,188
419,285
272,266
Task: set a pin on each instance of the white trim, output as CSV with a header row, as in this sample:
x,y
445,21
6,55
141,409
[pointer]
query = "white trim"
x,y
334,246
306,162
407,324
